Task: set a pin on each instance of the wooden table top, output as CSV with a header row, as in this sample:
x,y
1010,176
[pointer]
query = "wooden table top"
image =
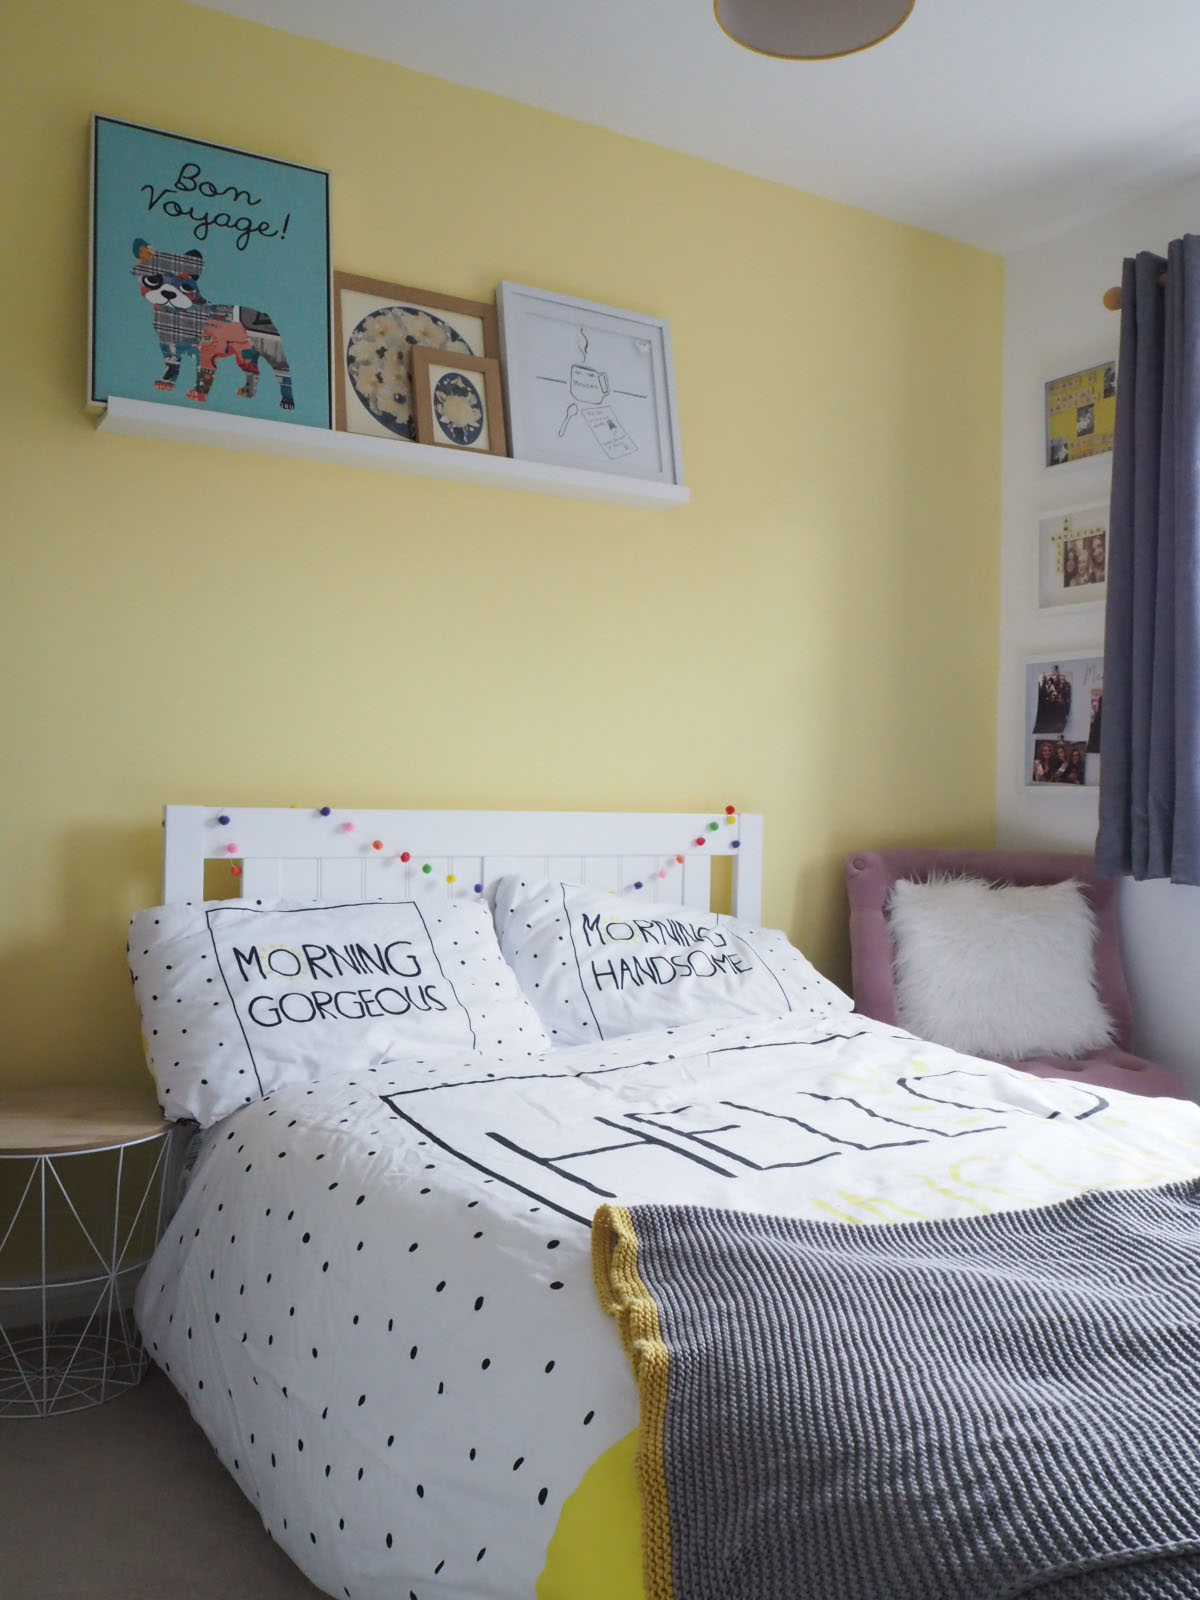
x,y
58,1120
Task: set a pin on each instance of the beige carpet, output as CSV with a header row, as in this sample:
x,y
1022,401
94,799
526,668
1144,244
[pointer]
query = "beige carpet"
x,y
127,1501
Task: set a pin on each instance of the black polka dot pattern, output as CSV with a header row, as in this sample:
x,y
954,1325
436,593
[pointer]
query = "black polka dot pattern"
x,y
596,966
298,985
377,1298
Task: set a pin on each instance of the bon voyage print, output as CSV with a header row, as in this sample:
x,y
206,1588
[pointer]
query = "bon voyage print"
x,y
210,277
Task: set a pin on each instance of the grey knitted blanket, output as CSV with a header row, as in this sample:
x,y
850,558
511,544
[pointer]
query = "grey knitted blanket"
x,y
974,1409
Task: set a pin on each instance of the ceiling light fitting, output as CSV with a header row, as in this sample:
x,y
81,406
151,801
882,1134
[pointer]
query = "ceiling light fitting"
x,y
810,30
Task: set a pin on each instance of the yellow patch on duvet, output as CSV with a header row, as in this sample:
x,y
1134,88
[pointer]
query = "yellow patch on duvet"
x,y
596,1551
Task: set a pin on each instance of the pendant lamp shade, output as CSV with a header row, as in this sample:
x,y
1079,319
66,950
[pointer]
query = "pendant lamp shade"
x,y
810,30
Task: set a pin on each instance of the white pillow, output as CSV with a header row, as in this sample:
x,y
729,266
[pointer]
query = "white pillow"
x,y
1003,972
240,997
597,967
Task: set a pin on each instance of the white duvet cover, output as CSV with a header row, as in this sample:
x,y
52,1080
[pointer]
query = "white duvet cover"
x,y
376,1295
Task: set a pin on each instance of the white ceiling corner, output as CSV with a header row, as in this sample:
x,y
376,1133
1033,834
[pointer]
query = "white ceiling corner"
x,y
997,124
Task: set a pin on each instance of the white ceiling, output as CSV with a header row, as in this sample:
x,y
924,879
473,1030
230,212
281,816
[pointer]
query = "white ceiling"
x,y
996,122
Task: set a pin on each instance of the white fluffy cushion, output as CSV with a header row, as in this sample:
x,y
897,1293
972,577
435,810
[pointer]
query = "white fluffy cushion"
x,y
240,997
1003,972
597,967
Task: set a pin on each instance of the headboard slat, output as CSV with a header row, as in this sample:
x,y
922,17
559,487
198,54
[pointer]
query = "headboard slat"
x,y
292,853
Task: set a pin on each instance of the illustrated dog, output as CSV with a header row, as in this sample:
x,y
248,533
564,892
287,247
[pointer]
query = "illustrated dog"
x,y
188,325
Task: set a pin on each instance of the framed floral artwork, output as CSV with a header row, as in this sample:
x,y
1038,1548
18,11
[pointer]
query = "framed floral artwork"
x,y
377,326
457,401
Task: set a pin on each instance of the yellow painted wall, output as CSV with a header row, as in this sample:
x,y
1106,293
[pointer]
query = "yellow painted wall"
x,y
814,637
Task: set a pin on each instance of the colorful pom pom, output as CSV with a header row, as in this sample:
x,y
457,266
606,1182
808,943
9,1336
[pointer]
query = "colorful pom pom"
x,y
451,878
347,827
223,820
376,844
231,849
427,868
663,873
730,811
713,826
735,844
234,870
639,884
405,856
730,821
325,810
701,839
478,888
679,860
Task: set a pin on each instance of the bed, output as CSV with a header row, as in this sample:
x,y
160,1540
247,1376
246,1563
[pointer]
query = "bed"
x,y
377,1292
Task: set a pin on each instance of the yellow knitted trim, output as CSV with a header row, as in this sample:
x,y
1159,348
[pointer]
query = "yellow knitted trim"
x,y
624,1296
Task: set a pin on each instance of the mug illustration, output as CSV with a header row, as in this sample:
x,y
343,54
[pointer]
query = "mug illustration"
x,y
590,388
590,384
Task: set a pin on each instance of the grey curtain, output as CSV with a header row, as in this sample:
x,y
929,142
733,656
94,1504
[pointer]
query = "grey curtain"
x,y
1150,770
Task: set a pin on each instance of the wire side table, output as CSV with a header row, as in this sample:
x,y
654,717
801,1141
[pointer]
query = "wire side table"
x,y
86,1183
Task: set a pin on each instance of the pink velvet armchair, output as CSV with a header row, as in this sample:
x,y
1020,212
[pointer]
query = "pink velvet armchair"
x,y
870,876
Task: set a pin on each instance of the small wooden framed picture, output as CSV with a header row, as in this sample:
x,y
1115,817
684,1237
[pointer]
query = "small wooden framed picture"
x,y
376,327
457,401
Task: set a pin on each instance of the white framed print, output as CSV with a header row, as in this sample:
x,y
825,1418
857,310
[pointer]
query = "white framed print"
x,y
588,386
1064,697
1080,414
1073,557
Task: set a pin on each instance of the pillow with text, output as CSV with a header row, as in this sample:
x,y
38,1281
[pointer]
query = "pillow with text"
x,y
238,997
596,966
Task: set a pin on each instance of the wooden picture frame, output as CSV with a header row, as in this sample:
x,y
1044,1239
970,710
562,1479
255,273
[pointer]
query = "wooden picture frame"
x,y
482,414
376,400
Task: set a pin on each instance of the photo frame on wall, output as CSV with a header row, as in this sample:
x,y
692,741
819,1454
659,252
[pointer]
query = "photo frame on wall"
x,y
1072,555
1064,698
1080,413
209,271
377,326
588,386
457,401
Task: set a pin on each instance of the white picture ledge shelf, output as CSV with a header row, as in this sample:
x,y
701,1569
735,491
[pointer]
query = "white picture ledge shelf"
x,y
149,420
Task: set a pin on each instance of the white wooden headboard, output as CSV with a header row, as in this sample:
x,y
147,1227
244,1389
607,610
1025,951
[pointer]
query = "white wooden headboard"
x,y
296,854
